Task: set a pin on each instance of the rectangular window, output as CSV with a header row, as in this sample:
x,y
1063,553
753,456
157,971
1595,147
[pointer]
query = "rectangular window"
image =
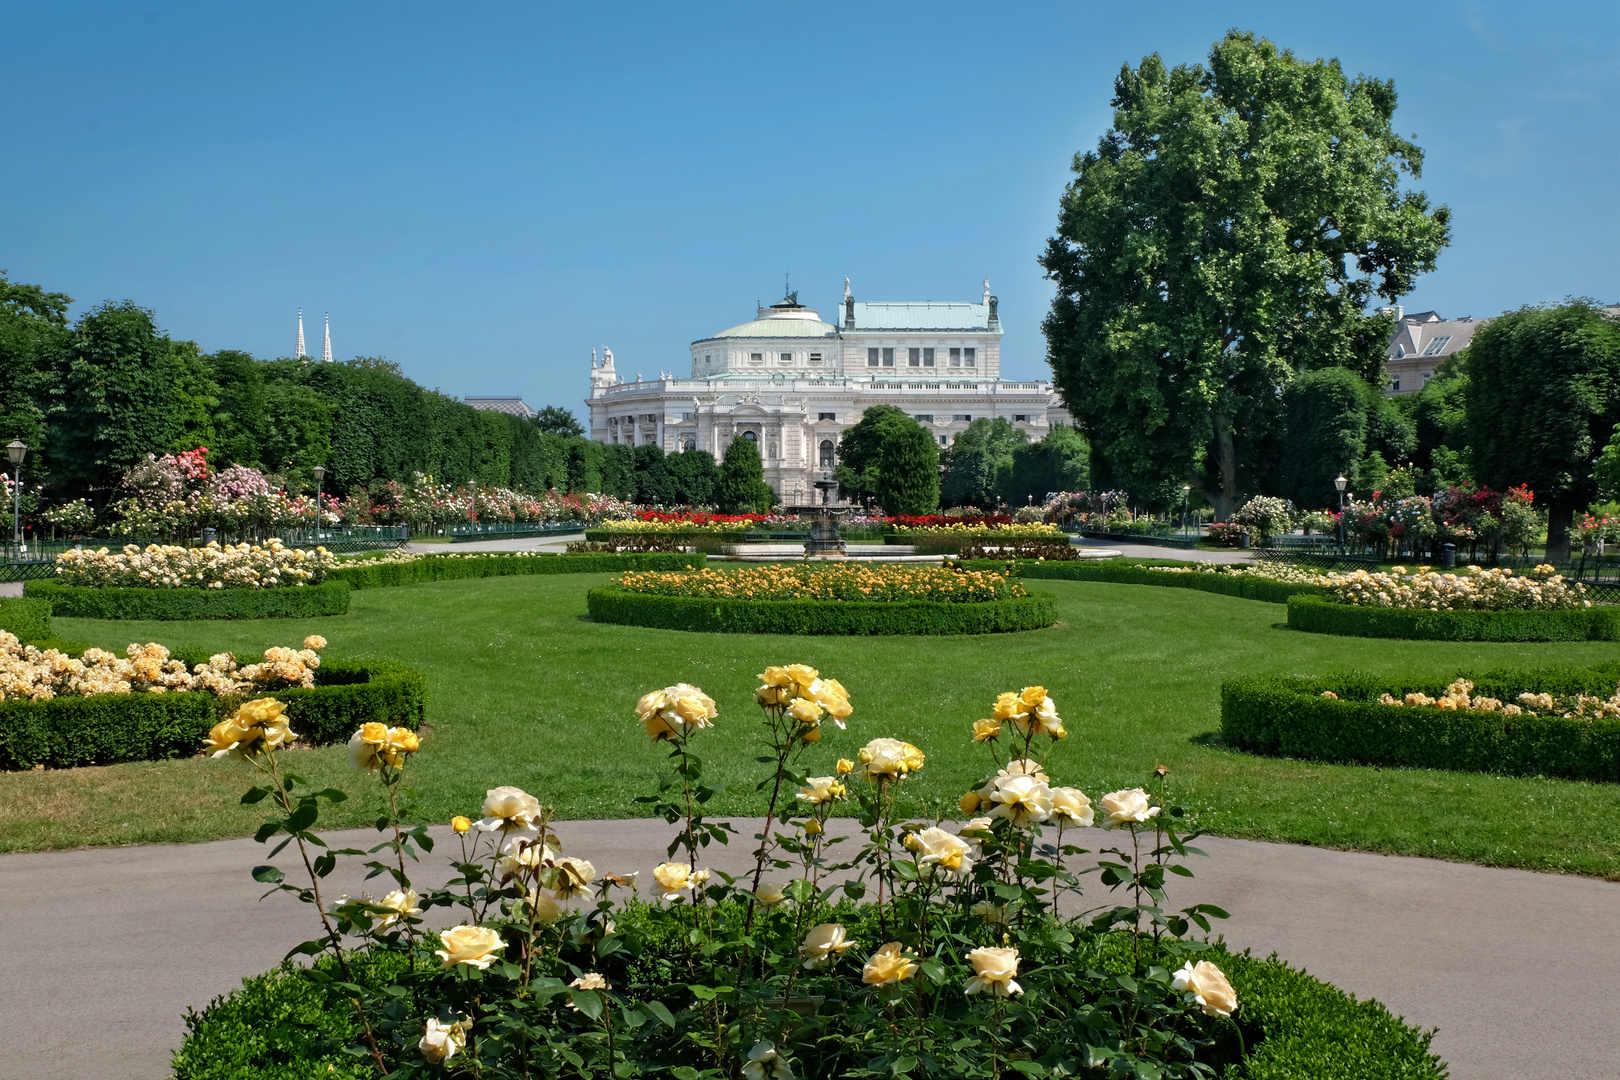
x,y
871,358
963,416
815,358
756,358
924,418
968,357
888,358
1436,345
914,357
956,358
686,416
1020,418
1394,384
827,416
928,358
787,359
944,440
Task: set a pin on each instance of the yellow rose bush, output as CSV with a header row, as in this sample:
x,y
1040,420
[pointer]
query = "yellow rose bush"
x,y
835,581
969,941
40,675
213,566
1497,589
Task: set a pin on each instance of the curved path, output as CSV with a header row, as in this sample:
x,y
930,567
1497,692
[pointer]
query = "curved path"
x,y
106,948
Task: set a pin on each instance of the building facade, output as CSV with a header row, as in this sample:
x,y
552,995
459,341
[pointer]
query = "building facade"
x,y
1423,340
793,383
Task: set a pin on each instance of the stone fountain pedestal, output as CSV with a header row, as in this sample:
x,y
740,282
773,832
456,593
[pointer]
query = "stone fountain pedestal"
x,y
824,541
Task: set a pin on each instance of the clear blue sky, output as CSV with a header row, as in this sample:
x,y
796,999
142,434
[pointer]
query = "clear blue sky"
x,y
484,192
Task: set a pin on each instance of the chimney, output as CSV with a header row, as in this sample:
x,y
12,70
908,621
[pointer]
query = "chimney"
x,y
849,313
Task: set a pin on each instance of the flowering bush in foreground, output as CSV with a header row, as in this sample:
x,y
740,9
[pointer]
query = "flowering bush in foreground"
x,y
35,675
232,566
1457,696
876,581
1033,530
933,949
1490,590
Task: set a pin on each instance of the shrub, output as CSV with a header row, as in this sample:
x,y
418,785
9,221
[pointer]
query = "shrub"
x,y
112,602
1248,585
66,732
633,542
233,566
1226,533
1290,717
1319,615
612,604
841,581
29,619
1542,588
1266,516
386,571
1030,550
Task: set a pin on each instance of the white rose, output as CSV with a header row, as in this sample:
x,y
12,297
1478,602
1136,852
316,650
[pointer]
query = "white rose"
x,y
1127,806
1071,805
939,849
824,944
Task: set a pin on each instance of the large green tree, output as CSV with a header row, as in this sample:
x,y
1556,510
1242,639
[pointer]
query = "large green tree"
x,y
861,446
908,471
742,488
33,340
1543,398
1229,232
979,463
1326,436
1060,461
695,475
556,420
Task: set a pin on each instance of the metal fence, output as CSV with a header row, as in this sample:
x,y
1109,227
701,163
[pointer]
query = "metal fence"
x,y
506,530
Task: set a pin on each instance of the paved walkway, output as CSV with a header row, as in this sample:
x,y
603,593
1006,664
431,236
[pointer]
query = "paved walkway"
x,y
105,949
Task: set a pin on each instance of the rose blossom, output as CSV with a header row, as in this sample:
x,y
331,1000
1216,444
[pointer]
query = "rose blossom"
x,y
508,809
1071,805
441,1041
888,966
475,946
1127,806
824,944
937,848
1023,800
1208,985
993,971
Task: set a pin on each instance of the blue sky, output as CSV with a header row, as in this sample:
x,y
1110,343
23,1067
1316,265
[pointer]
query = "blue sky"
x,y
484,192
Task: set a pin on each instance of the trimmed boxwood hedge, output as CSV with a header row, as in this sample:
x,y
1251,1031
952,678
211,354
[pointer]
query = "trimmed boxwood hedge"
x,y
1289,717
1322,616
118,602
107,728
1249,588
277,1026
612,604
29,619
453,567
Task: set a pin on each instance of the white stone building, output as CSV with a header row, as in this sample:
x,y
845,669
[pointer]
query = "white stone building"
x,y
793,383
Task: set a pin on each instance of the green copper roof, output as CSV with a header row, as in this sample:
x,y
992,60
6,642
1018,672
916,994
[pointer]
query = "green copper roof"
x,y
921,315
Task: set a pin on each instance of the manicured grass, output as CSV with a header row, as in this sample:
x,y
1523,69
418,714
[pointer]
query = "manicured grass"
x,y
523,690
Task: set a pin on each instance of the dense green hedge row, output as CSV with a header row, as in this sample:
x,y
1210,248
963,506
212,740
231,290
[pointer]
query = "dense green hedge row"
x,y
611,604
1322,616
290,602
107,728
29,619
453,567
1289,717
1249,588
1296,1028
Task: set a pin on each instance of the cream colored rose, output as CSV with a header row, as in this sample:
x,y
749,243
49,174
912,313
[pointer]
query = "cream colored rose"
x,y
1124,807
366,746
1022,800
1025,767
834,698
1070,806
1208,985
314,641
508,809
475,946
938,849
889,759
670,878
574,877
764,1063
401,906
771,891
675,711
591,981
821,790
440,1042
985,730
889,965
542,906
993,971
824,944
522,854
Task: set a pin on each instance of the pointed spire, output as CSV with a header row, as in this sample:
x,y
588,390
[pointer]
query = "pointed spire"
x,y
299,354
326,349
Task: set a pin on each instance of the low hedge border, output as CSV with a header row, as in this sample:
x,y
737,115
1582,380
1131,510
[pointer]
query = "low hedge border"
x,y
280,1026
1288,717
105,729
1249,588
455,567
1319,615
29,619
120,602
613,604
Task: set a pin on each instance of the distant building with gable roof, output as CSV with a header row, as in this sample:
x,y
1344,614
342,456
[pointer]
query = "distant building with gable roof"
x,y
1423,340
512,406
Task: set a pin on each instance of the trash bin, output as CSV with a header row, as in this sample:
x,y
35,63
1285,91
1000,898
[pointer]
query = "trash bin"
x,y
1448,555
208,536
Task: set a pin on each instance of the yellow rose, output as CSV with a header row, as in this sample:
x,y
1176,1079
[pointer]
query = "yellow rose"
x,y
260,711
1208,985
460,824
229,735
771,892
845,766
970,802
889,758
1009,706
888,966
542,906
475,946
1123,807
440,1042
670,878
1032,696
804,677
401,906
821,789
993,971
939,849
509,808
985,730
813,828
835,699
366,746
811,735
1071,805
675,711
574,877
804,710
824,944
314,641
1022,800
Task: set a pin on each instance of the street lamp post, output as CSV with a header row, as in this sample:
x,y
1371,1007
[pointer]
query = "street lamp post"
x,y
1186,491
1341,483
16,450
320,474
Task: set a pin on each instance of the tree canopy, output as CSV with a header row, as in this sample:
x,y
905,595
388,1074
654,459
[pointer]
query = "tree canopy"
x,y
1228,233
556,420
742,488
908,470
979,463
860,448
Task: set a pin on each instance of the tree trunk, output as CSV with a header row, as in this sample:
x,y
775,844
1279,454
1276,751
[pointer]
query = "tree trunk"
x,y
1559,519
1226,466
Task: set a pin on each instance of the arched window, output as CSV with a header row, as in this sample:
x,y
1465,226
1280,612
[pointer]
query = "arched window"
x,y
826,453
750,436
689,445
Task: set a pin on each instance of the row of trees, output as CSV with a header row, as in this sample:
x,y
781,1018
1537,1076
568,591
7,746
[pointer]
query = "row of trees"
x,y
1216,259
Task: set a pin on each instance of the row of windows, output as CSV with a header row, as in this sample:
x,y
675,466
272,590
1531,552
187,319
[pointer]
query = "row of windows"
x,y
928,418
783,359
922,358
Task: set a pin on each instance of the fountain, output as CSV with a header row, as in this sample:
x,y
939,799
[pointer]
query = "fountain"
x,y
824,541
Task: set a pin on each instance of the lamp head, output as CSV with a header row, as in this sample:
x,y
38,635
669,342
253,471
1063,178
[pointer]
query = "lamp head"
x,y
1340,482
16,450
320,473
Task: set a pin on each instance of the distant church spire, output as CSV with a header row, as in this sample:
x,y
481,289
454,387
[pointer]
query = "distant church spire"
x,y
326,349
300,353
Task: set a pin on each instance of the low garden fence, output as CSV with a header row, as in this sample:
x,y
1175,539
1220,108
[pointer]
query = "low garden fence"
x,y
464,532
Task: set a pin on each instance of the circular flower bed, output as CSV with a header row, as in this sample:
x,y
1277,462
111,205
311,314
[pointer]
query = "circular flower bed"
x,y
823,599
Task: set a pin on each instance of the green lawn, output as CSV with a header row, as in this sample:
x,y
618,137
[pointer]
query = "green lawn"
x,y
525,691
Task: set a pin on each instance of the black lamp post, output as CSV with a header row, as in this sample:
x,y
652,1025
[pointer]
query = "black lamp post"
x,y
320,474
16,451
1186,491
1341,483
